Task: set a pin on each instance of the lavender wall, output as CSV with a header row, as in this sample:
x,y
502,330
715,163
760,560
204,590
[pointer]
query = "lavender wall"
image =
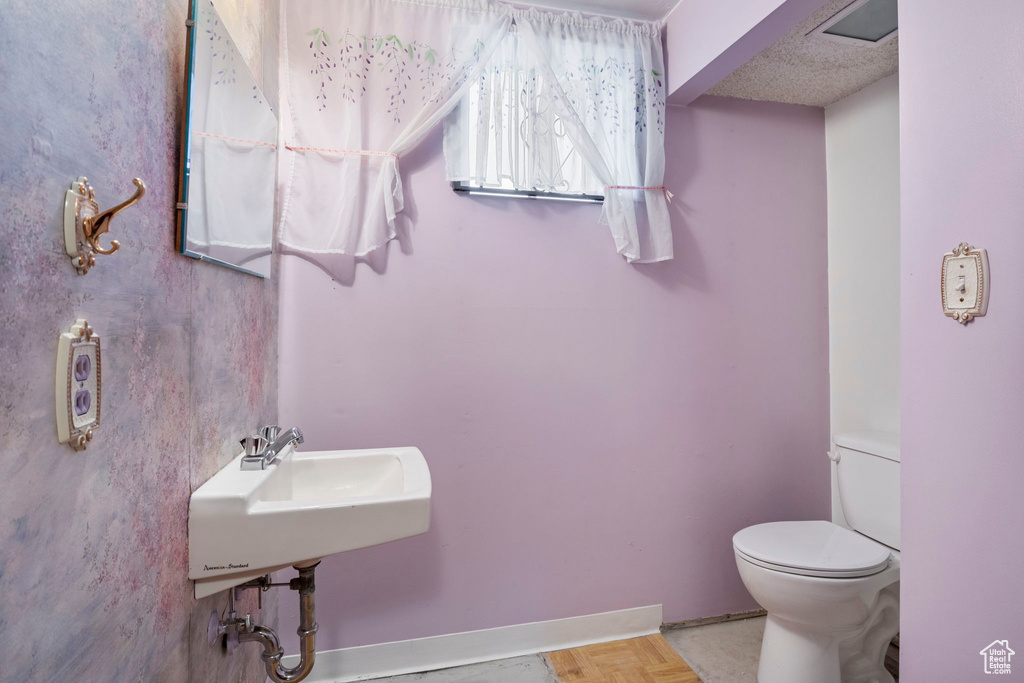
x,y
93,553
596,431
962,179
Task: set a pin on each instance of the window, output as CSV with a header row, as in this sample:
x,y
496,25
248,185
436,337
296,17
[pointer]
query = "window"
x,y
514,146
470,188
570,107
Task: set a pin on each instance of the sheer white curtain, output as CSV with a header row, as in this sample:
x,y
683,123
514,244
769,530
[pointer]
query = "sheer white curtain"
x,y
503,134
575,91
364,83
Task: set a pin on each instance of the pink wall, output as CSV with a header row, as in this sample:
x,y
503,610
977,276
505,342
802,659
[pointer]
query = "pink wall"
x,y
596,431
962,179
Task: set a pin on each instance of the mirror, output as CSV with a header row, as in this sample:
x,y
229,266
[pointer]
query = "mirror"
x,y
229,153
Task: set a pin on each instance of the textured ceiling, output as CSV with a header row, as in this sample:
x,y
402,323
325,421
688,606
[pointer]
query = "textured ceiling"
x,y
652,10
802,69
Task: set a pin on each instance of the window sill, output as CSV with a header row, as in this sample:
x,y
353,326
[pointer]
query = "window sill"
x,y
463,188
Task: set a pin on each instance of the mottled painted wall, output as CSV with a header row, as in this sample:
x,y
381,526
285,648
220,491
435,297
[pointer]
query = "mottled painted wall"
x,y
93,552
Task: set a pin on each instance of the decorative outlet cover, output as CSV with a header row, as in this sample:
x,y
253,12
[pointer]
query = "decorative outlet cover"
x,y
965,283
78,385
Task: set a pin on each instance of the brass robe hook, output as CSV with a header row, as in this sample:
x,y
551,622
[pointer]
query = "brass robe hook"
x,y
84,223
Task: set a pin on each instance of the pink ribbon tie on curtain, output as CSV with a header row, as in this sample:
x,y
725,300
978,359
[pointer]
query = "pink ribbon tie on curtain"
x,y
668,193
224,137
362,152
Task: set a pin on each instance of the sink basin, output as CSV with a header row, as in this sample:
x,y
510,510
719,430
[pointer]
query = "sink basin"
x,y
244,524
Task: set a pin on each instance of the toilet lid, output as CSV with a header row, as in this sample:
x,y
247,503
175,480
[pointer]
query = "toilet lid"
x,y
817,547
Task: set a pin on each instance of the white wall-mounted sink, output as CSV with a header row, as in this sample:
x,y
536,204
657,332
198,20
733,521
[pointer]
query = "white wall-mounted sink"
x,y
244,524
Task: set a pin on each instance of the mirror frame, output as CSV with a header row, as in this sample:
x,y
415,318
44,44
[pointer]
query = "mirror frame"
x,y
181,225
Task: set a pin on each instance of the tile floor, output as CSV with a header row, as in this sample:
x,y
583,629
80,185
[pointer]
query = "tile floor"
x,y
528,669
719,653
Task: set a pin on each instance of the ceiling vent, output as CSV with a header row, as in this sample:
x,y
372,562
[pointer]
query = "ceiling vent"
x,y
869,23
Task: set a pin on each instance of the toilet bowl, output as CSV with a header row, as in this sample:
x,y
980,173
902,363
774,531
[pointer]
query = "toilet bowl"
x,y
831,592
832,601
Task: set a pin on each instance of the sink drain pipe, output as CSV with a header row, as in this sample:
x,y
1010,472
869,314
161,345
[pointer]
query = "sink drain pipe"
x,y
267,637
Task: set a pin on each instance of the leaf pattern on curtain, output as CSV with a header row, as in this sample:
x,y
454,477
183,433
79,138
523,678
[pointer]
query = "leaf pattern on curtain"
x,y
595,89
388,57
655,99
221,48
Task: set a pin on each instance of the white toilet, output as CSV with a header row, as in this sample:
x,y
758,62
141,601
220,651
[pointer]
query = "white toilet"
x,y
832,594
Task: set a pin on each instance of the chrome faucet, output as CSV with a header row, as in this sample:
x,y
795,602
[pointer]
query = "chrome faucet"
x,y
261,449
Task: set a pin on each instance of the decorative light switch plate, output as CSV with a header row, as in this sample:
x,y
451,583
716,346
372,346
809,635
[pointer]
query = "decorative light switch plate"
x,y
965,283
78,385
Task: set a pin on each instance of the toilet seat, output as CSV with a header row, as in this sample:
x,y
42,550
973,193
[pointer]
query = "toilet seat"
x,y
811,548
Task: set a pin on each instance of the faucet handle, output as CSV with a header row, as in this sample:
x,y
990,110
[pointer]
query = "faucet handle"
x,y
253,445
270,432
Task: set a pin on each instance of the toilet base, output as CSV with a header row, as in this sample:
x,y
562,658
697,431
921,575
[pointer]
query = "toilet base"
x,y
790,653
794,653
862,656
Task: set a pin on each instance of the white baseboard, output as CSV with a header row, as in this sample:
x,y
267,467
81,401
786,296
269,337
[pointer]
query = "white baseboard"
x,y
456,649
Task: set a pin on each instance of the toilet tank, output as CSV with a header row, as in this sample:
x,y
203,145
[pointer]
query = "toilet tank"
x,y
868,481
